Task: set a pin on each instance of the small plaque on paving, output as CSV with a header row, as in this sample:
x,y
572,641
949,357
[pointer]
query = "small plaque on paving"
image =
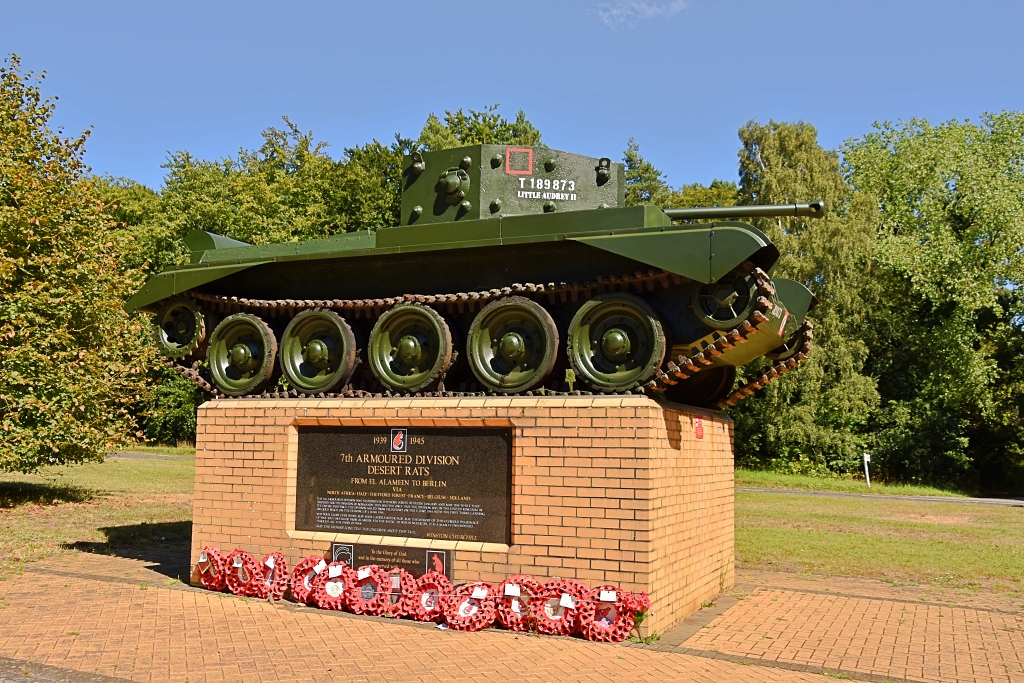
x,y
447,484
416,561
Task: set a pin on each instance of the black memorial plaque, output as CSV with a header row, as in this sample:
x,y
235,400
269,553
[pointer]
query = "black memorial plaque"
x,y
416,561
446,484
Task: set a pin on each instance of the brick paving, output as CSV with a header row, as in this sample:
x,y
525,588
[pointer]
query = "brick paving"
x,y
118,617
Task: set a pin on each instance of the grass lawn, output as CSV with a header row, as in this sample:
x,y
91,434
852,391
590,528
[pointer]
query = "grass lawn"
x,y
775,480
97,507
945,543
160,450
121,503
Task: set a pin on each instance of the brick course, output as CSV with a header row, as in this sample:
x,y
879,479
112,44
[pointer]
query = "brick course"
x,y
605,489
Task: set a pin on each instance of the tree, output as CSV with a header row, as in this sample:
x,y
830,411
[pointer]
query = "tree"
x,y
485,127
71,365
645,184
947,348
813,419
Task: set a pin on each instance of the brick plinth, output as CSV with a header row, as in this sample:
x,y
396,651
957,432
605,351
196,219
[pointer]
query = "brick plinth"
x,y
604,489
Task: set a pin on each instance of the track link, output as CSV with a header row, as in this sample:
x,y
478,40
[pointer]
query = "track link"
x,y
671,372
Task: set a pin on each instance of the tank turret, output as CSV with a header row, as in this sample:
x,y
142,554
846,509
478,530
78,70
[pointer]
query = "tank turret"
x,y
514,270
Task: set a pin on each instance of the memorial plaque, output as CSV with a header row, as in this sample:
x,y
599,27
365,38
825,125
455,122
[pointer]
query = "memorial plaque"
x,y
446,484
416,561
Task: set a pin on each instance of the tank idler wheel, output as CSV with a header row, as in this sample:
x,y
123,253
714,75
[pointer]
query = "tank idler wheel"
x,y
725,304
318,351
615,342
241,354
410,347
705,388
512,345
793,345
179,327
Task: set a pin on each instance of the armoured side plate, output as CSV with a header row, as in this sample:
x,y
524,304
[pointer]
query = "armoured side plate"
x,y
492,181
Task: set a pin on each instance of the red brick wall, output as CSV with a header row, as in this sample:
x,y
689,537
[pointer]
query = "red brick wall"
x,y
605,489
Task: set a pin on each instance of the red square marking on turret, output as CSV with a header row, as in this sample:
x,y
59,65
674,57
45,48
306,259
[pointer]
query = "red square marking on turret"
x,y
519,151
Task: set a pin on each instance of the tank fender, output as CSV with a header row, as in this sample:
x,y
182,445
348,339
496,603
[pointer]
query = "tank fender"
x,y
702,254
173,282
797,299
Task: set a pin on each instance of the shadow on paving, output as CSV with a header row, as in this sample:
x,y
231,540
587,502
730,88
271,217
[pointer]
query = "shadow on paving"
x,y
17,493
165,546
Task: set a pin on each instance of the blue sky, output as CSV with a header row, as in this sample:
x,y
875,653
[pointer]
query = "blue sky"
x,y
681,76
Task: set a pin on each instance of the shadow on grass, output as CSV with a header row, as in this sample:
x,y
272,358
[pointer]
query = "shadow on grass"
x,y
165,546
16,493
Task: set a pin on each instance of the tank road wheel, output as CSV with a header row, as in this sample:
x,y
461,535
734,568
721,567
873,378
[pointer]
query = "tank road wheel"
x,y
725,304
512,345
410,346
615,342
241,354
704,389
318,351
179,327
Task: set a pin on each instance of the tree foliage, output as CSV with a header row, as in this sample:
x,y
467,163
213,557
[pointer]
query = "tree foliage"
x,y
812,419
485,127
71,362
946,344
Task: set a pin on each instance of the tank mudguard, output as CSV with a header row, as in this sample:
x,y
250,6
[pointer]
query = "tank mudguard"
x,y
797,299
701,254
172,282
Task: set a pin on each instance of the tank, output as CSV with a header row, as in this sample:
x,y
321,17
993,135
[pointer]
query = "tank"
x,y
514,270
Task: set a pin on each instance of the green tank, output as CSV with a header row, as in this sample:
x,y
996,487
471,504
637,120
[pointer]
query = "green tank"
x,y
514,271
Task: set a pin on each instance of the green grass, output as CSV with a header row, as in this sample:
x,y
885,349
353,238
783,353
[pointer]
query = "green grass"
x,y
944,543
180,449
776,480
97,507
122,475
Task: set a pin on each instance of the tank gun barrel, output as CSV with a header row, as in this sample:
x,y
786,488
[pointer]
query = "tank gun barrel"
x,y
815,209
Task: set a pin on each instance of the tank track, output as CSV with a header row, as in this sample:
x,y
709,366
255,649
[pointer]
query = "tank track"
x,y
671,372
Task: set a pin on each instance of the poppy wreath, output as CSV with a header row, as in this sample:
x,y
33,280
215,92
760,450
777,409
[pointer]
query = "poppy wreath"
x,y
371,586
211,568
471,606
242,572
550,614
301,584
331,585
401,583
273,577
514,610
606,615
426,601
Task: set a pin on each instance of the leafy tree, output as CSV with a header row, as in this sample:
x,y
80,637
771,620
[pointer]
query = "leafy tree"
x,y
645,184
946,350
477,127
813,419
71,365
718,193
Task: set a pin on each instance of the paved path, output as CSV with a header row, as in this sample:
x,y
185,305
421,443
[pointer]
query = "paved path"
x,y
1010,502
118,617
